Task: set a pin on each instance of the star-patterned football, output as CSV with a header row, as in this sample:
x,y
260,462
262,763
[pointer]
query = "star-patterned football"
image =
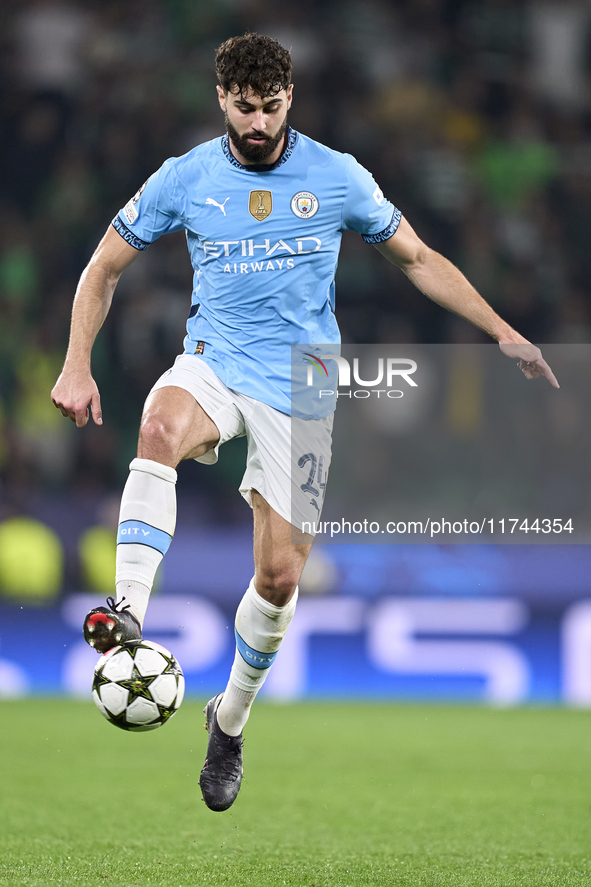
x,y
138,685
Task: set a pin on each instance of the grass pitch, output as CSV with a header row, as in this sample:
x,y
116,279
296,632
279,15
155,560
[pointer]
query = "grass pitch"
x,y
334,795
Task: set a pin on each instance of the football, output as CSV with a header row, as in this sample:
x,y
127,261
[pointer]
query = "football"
x,y
138,685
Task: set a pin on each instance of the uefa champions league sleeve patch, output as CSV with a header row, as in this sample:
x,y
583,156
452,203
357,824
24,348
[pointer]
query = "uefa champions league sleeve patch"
x,y
304,204
129,210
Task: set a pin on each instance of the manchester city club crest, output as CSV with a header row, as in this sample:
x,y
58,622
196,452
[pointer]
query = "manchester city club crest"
x,y
260,204
304,204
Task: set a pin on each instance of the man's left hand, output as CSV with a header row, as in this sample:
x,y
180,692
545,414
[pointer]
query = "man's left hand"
x,y
530,361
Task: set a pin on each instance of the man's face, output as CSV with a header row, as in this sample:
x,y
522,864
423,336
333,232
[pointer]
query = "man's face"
x,y
256,125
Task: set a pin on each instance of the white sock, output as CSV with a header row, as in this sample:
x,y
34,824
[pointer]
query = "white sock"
x,y
147,521
134,594
260,628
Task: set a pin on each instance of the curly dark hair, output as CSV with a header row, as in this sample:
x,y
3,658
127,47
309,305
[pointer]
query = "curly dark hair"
x,y
253,62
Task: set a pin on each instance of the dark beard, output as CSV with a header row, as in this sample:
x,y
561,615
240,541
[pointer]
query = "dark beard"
x,y
255,153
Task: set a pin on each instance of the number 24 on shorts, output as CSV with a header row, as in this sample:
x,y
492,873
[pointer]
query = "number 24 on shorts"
x,y
316,472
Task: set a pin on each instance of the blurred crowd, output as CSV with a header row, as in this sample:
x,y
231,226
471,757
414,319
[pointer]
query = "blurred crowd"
x,y
474,117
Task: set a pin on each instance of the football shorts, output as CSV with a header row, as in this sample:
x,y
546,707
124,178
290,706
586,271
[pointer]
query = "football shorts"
x,y
288,458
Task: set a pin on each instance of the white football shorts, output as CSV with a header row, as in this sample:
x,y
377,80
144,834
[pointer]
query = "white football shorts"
x,y
288,458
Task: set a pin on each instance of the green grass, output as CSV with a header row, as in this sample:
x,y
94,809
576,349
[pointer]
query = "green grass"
x,y
334,794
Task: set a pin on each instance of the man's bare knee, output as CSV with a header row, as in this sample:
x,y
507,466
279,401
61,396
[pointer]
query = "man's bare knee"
x,y
277,586
278,562
175,427
157,439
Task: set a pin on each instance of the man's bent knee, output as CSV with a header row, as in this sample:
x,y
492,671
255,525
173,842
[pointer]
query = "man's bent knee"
x,y
175,427
157,439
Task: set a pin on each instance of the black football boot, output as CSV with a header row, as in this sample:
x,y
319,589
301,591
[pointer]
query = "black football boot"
x,y
222,772
106,628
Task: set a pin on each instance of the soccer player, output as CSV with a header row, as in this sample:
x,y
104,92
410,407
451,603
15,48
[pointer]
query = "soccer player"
x,y
263,208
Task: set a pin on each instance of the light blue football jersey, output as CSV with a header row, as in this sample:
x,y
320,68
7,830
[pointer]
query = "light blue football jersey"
x,y
264,246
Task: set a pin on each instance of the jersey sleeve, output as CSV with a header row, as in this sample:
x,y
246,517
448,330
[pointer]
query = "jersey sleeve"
x,y
155,209
366,210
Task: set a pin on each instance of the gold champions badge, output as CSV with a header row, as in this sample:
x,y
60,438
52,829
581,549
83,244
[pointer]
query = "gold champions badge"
x,y
260,204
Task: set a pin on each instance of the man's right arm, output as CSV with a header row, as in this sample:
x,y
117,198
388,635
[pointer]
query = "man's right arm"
x,y
76,390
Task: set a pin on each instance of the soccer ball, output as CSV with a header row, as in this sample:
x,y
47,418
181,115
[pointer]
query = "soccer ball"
x,y
138,685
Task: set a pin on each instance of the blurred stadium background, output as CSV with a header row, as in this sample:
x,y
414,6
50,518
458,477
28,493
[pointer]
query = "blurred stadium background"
x,y
475,120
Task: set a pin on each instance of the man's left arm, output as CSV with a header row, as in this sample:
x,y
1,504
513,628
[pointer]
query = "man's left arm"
x,y
441,281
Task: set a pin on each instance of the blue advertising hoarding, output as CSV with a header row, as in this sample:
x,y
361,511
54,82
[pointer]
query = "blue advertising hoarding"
x,y
491,624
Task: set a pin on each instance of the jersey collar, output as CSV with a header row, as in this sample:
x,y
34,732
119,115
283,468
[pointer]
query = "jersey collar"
x,y
261,167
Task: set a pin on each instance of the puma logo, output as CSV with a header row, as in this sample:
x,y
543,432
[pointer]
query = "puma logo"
x,y
219,205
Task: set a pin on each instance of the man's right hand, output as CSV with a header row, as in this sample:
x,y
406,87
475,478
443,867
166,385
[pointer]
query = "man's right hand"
x,y
73,394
